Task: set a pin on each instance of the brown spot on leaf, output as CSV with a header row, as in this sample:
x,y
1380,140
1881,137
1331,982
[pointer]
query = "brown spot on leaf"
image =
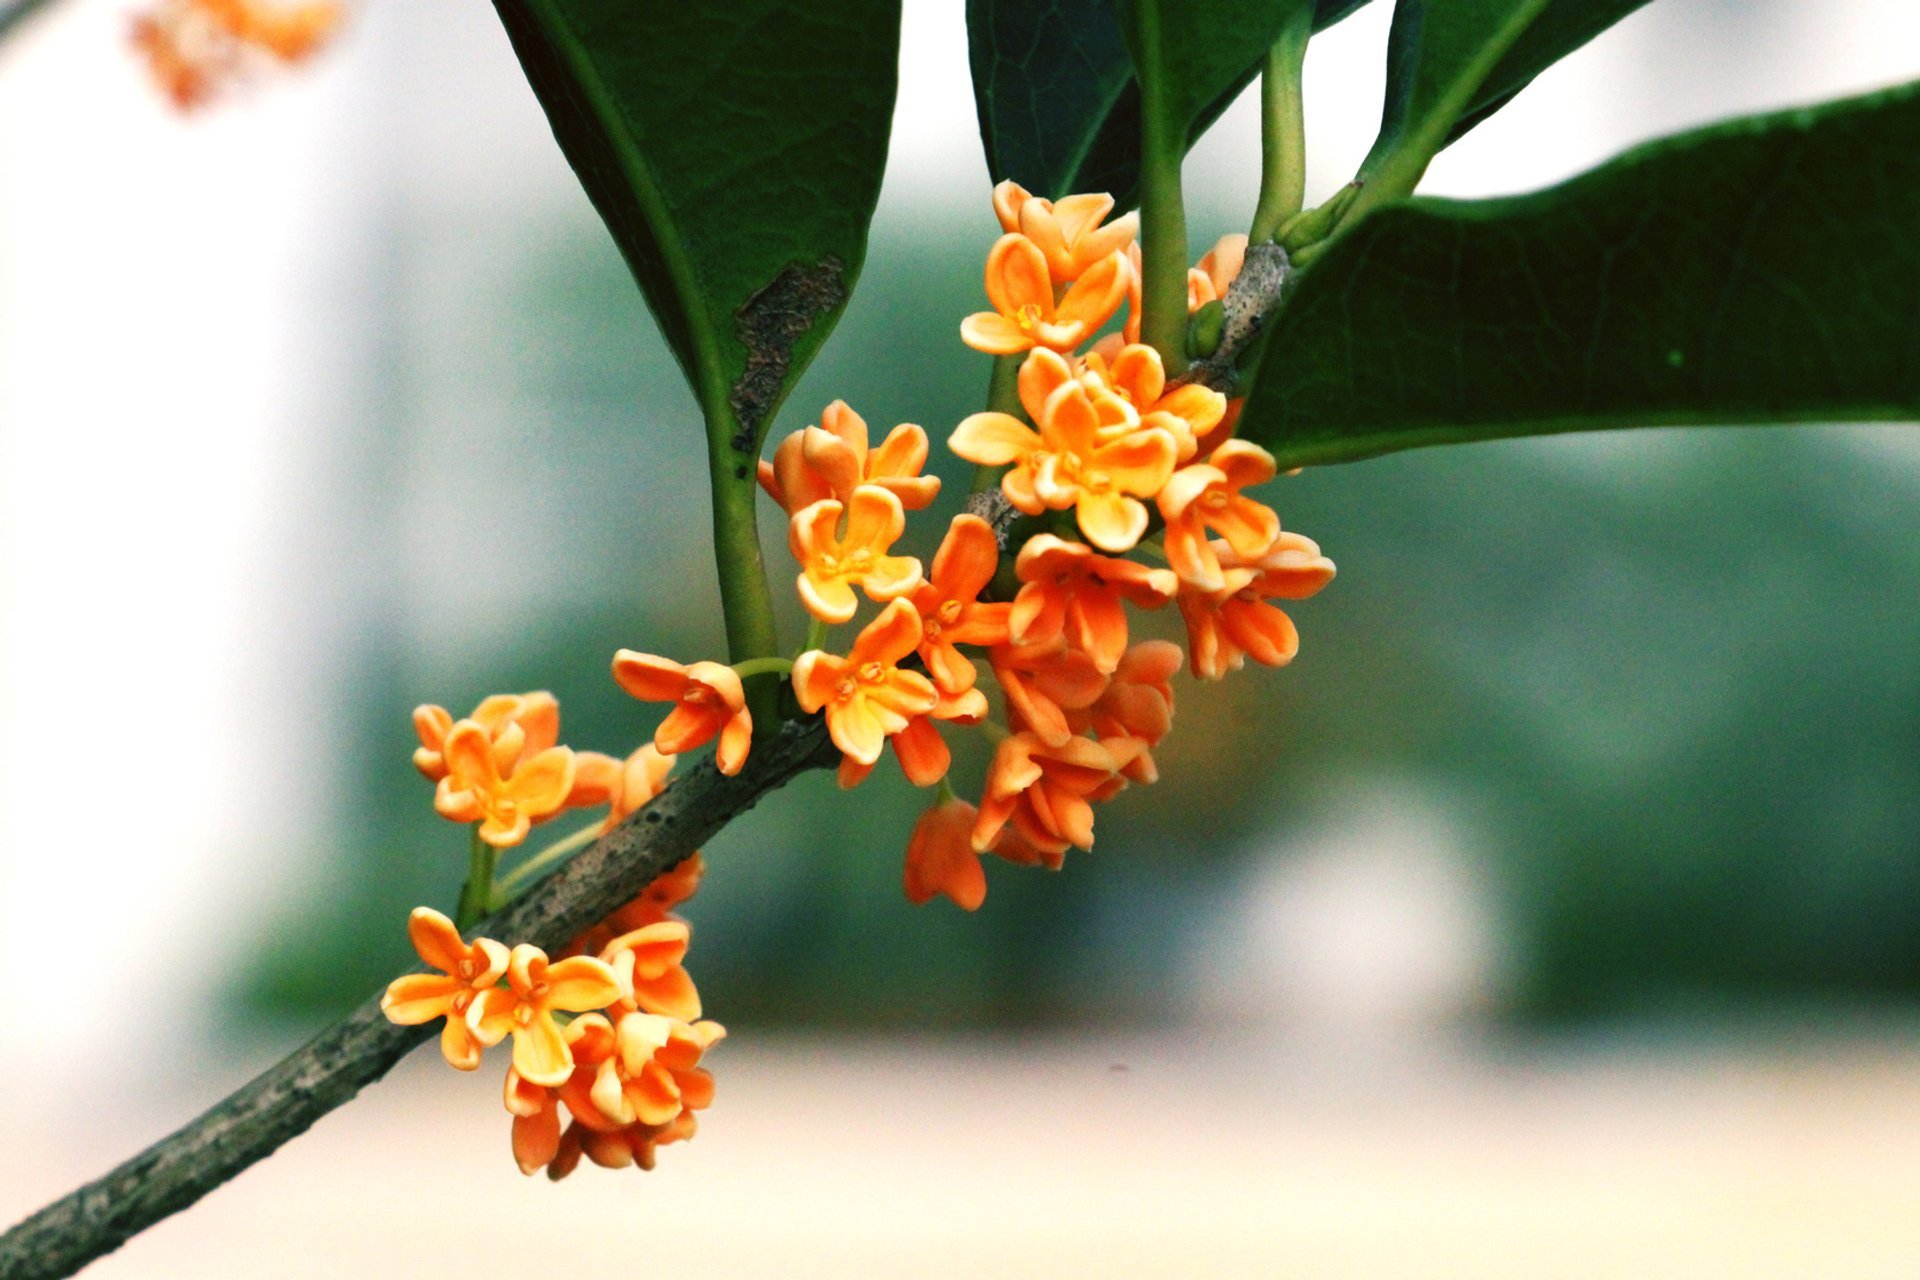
x,y
769,324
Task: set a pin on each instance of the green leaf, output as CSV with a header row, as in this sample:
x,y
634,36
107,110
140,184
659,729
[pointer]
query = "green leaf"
x,y
1057,99
735,152
1761,270
1562,27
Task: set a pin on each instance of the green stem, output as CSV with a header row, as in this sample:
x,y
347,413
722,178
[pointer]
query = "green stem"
x,y
744,596
1283,128
763,667
816,635
503,891
1003,396
943,791
477,893
1163,215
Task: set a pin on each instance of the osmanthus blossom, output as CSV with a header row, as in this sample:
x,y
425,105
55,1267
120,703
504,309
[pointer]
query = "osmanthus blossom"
x,y
922,752
1042,683
536,989
465,971
1072,232
1226,627
866,695
832,459
832,563
505,802
951,611
708,699
1208,496
1072,591
1135,373
1091,453
1047,791
647,965
519,724
1136,703
1025,316
654,1073
535,1108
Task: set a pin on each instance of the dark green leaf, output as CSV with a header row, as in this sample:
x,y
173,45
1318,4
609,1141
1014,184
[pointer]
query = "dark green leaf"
x,y
1058,102
1762,270
735,152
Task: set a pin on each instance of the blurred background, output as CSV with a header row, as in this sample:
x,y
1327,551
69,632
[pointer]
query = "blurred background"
x,y
1558,911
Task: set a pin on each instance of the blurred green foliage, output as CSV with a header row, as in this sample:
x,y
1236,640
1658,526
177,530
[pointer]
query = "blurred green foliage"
x,y
1668,679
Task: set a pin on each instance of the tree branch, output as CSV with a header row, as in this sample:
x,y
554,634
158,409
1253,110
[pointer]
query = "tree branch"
x,y
1255,292
335,1065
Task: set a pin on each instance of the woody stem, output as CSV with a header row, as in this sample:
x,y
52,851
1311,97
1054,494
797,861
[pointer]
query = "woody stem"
x,y
1163,215
503,891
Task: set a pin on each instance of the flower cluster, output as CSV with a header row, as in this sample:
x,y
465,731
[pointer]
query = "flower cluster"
x,y
1114,447
195,49
611,1031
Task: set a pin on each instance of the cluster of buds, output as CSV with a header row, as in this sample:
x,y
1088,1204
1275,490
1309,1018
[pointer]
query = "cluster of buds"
x,y
195,49
611,1030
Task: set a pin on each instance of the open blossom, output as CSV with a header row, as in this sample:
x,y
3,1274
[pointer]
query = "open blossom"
x,y
1072,232
922,752
951,611
1209,496
519,724
832,564
506,803
1136,703
708,702
535,1108
654,1073
941,857
648,964
830,460
867,697
1091,453
1071,591
1047,792
1024,315
524,1008
1226,627
465,972
1135,373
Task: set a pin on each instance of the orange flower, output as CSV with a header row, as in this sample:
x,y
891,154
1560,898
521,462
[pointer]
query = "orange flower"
x,y
1208,496
830,460
507,803
466,971
994,439
1024,315
1227,626
624,786
525,1009
647,963
867,697
1137,703
1042,682
520,725
951,611
709,701
1135,373
1101,460
1068,231
654,1074
536,1108
1216,272
941,857
1073,592
921,751
832,565
1047,791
